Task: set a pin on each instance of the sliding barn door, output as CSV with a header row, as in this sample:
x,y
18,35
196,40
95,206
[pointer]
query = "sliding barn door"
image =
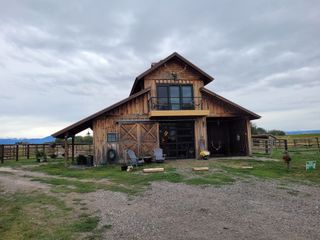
x,y
141,138
148,138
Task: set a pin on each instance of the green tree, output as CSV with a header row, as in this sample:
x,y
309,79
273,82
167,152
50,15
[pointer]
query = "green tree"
x,y
257,130
277,132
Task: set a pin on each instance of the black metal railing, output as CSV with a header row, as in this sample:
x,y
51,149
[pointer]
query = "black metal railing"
x,y
175,103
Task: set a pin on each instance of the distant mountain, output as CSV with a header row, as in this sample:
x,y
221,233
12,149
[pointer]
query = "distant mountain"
x,y
302,132
28,140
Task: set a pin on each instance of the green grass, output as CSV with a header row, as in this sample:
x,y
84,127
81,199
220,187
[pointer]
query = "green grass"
x,y
62,185
27,162
85,223
275,170
296,136
136,181
129,182
39,216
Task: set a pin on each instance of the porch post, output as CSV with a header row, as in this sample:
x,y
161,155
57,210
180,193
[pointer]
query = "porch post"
x,y
72,149
200,134
249,140
66,151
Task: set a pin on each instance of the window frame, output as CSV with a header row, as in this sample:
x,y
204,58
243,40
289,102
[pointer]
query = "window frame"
x,y
181,102
112,137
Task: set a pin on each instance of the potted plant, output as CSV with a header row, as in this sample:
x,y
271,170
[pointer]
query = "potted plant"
x,y
41,156
204,154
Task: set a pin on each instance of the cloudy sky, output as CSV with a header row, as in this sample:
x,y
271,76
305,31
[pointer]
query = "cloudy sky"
x,y
63,60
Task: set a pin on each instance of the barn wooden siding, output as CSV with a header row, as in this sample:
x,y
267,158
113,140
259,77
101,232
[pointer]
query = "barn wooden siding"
x,y
185,75
134,129
218,108
131,124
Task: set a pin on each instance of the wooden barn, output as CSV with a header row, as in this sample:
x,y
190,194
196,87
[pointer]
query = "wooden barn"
x,y
169,107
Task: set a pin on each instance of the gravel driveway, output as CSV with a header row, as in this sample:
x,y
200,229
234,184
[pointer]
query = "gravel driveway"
x,y
255,210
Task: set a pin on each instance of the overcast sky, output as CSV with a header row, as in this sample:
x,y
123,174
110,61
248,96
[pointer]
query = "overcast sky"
x,y
61,61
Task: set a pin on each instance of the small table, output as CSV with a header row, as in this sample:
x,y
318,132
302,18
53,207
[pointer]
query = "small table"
x,y
147,159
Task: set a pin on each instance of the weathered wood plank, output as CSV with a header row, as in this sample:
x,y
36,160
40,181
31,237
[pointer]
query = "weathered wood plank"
x,y
153,170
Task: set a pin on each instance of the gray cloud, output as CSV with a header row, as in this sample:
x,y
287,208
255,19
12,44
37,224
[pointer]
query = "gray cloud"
x,y
60,61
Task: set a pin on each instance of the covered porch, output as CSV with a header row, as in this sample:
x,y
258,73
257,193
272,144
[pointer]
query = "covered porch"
x,y
228,136
68,135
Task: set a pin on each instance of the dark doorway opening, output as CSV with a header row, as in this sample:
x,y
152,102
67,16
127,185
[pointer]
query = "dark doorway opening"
x,y
227,137
177,139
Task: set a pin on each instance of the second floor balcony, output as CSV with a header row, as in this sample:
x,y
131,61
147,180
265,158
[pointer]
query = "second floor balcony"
x,y
176,106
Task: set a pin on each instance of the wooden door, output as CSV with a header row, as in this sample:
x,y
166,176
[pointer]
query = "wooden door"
x,y
141,138
128,138
148,138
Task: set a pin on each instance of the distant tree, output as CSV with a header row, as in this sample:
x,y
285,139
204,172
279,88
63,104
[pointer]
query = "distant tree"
x,y
78,139
257,130
277,132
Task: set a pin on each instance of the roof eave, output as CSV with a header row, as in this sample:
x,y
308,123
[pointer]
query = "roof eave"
x,y
251,114
87,122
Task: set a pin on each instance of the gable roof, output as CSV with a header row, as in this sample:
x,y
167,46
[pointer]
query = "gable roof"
x,y
207,77
252,115
87,122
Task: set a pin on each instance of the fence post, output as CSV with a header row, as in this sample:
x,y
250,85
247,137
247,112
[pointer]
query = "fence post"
x,y
317,139
72,149
266,146
286,145
28,151
2,153
17,152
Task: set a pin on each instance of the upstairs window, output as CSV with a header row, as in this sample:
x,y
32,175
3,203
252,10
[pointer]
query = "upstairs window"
x,y
175,97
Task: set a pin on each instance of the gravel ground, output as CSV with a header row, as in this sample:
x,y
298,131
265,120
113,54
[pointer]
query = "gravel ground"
x,y
255,210
245,210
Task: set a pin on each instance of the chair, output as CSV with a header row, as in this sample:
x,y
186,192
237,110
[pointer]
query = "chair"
x,y
134,161
158,155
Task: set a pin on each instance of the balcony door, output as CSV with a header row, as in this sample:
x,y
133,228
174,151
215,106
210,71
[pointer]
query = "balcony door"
x,y
175,97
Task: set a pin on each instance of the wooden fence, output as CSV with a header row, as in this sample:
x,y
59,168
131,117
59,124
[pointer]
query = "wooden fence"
x,y
27,151
267,146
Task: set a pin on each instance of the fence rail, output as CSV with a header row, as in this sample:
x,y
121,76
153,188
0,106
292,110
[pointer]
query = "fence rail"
x,y
26,151
266,146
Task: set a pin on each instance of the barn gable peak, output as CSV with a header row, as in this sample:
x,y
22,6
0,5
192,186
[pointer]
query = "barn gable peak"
x,y
138,83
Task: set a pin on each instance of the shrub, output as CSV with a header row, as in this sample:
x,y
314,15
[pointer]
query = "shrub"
x,y
41,156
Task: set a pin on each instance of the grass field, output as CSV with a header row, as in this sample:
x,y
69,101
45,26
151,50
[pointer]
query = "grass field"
x,y
39,216
297,136
222,172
